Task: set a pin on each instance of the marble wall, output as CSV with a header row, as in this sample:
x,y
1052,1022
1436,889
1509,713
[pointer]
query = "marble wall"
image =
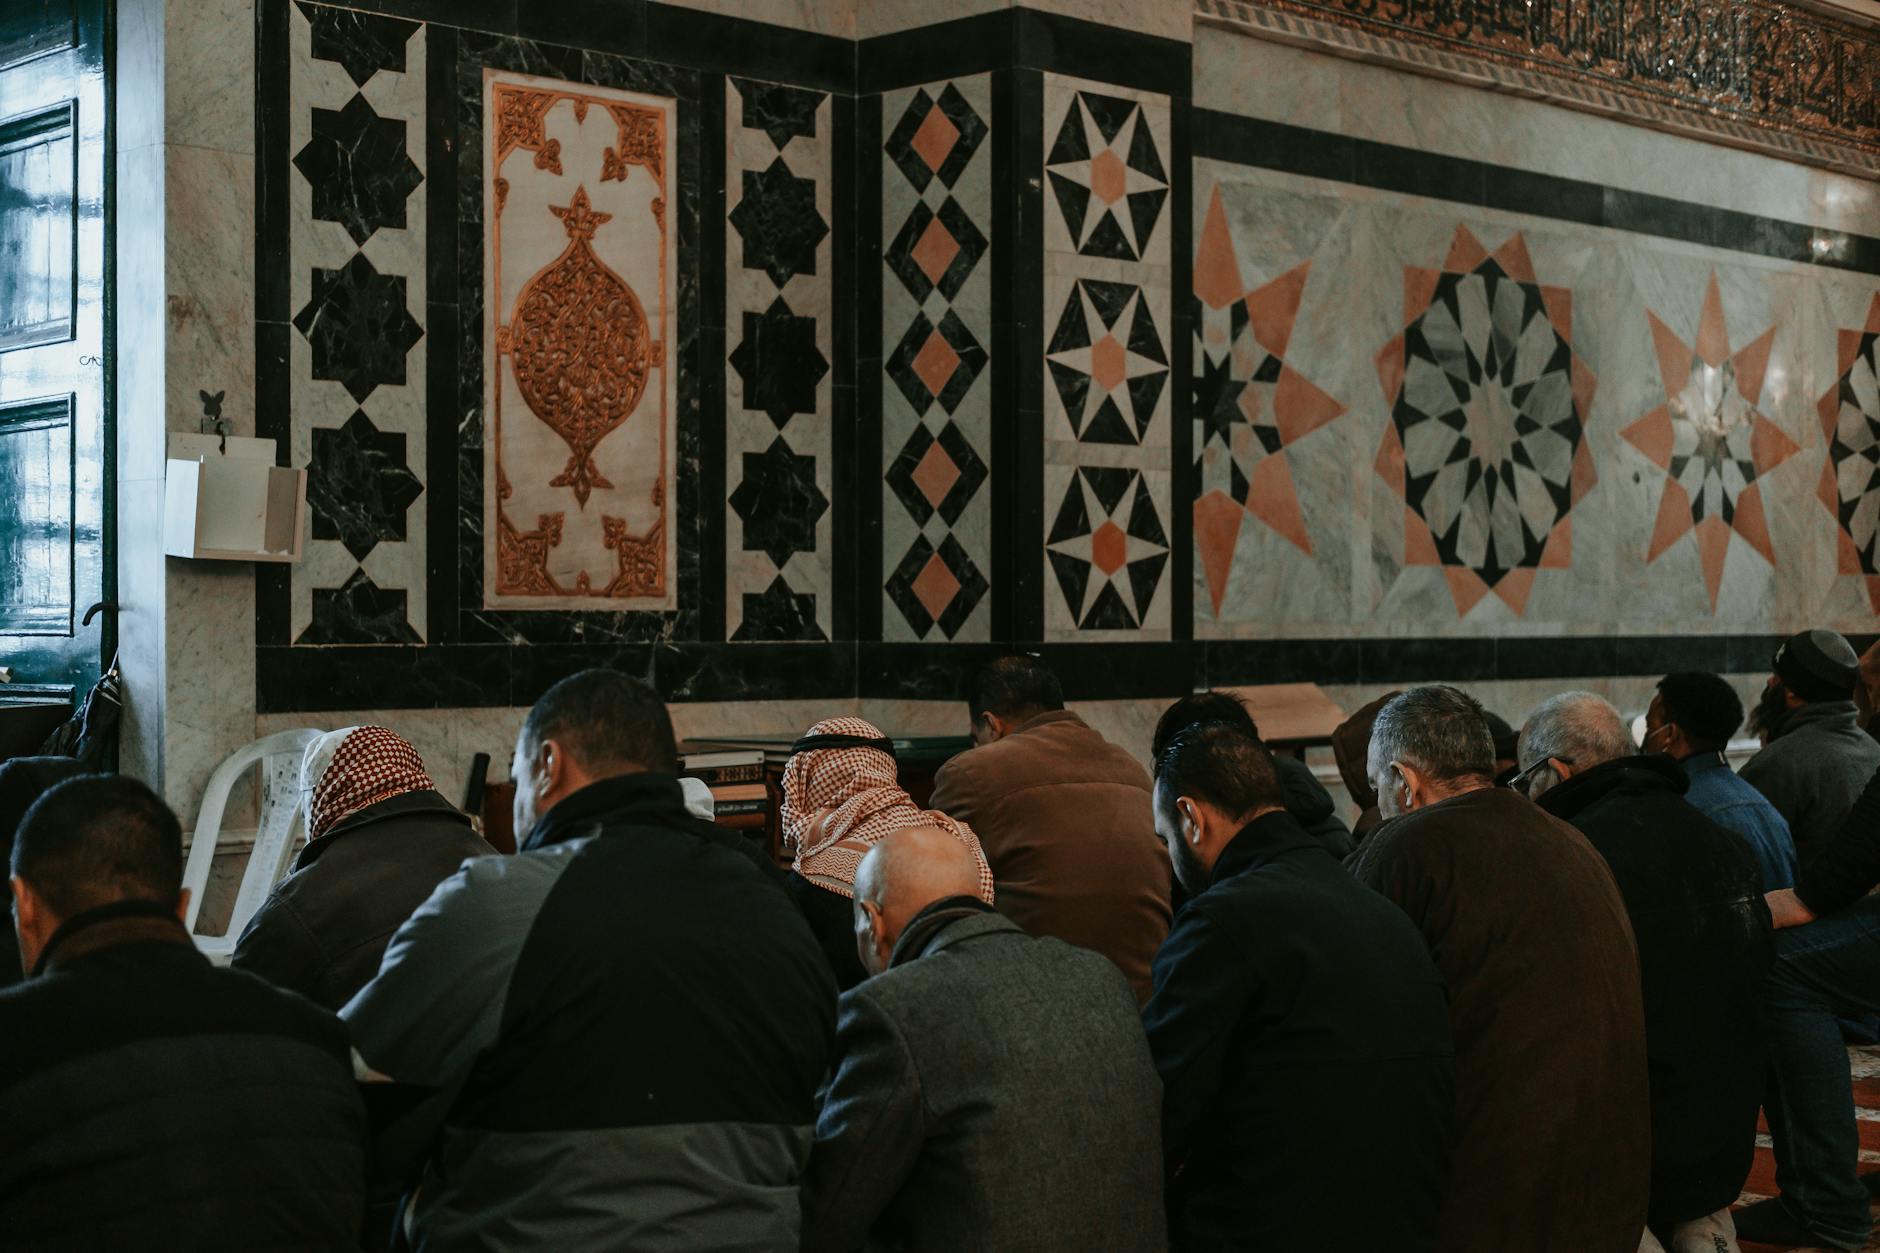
x,y
1507,401
936,420
798,357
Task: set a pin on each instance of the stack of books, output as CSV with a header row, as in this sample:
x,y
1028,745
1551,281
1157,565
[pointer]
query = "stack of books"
x,y
741,795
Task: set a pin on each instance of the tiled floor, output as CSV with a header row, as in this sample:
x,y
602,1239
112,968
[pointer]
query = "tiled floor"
x,y
1762,1175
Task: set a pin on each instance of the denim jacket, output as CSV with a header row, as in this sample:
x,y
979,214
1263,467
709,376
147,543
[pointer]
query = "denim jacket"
x,y
1731,802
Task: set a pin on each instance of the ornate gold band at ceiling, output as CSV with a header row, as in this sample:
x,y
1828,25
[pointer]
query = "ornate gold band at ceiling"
x,y
1772,77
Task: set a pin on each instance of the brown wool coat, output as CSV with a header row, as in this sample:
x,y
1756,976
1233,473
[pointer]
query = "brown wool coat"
x,y
1553,1150
1064,818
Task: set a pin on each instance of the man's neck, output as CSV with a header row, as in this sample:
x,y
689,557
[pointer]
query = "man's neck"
x,y
1449,789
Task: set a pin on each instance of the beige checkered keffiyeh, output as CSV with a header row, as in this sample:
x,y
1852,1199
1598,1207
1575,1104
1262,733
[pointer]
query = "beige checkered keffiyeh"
x,y
838,802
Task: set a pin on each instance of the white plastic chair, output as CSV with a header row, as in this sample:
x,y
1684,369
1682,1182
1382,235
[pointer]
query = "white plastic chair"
x,y
281,825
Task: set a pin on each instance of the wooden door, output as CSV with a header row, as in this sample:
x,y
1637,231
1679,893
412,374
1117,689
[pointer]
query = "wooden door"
x,y
56,466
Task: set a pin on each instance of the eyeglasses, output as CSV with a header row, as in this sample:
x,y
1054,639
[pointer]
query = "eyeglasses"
x,y
1520,779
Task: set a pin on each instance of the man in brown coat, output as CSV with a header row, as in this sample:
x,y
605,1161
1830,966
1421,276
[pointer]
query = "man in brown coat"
x,y
1553,1119
1064,818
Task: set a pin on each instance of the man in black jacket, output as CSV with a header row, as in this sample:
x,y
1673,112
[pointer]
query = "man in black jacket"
x,y
1693,892
147,1099
380,840
1298,1024
1827,964
1305,797
625,1023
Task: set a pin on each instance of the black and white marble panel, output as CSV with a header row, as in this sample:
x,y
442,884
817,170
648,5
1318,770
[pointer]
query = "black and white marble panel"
x,y
779,560
356,247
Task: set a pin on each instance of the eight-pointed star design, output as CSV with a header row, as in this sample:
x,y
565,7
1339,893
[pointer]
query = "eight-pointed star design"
x,y
358,169
1250,403
1710,440
1850,478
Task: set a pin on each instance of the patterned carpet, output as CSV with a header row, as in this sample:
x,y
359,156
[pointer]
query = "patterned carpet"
x,y
1865,1063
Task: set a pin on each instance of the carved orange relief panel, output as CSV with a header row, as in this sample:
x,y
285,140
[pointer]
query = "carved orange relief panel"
x,y
579,309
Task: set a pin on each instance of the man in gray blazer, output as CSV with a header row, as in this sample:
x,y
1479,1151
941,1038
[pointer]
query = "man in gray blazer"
x,y
993,1091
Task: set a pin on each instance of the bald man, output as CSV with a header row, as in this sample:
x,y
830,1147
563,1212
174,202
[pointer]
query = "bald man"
x,y
993,1091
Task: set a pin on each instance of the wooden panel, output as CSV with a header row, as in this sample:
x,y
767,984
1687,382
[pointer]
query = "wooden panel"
x,y
38,228
36,517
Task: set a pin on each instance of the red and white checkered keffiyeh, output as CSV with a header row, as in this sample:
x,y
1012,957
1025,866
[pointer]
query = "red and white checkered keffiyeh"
x,y
346,770
839,802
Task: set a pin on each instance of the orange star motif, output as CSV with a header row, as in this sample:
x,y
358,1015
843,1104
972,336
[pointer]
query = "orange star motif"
x,y
1710,439
1251,405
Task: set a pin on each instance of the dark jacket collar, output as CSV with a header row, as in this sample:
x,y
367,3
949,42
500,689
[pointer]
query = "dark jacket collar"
x,y
1259,842
645,799
404,805
943,923
120,922
1653,772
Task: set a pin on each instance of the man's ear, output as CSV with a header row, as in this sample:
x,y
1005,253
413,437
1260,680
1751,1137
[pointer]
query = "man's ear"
x,y
182,906
1563,770
549,765
1414,785
878,932
25,904
1194,821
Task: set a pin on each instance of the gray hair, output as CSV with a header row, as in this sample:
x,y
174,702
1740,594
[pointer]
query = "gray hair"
x,y
1439,730
1581,728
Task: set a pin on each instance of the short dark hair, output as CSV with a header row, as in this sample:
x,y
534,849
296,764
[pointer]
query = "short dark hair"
x,y
605,718
1219,764
1704,707
1505,738
97,839
1196,708
1440,730
1009,686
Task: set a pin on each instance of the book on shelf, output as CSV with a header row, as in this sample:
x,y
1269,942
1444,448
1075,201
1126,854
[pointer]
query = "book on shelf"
x,y
725,806
727,767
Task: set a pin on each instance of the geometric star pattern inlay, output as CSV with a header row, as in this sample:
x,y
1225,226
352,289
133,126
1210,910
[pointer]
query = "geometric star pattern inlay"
x,y
358,485
1250,404
1487,439
1107,362
936,222
1850,478
1107,548
357,169
1711,441
1107,177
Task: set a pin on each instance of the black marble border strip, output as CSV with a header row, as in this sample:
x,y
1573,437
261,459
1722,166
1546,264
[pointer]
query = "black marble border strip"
x,y
1407,171
1002,436
273,288
671,34
1019,38
1184,484
711,41
871,570
443,334
712,352
1022,545
846,480
493,675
